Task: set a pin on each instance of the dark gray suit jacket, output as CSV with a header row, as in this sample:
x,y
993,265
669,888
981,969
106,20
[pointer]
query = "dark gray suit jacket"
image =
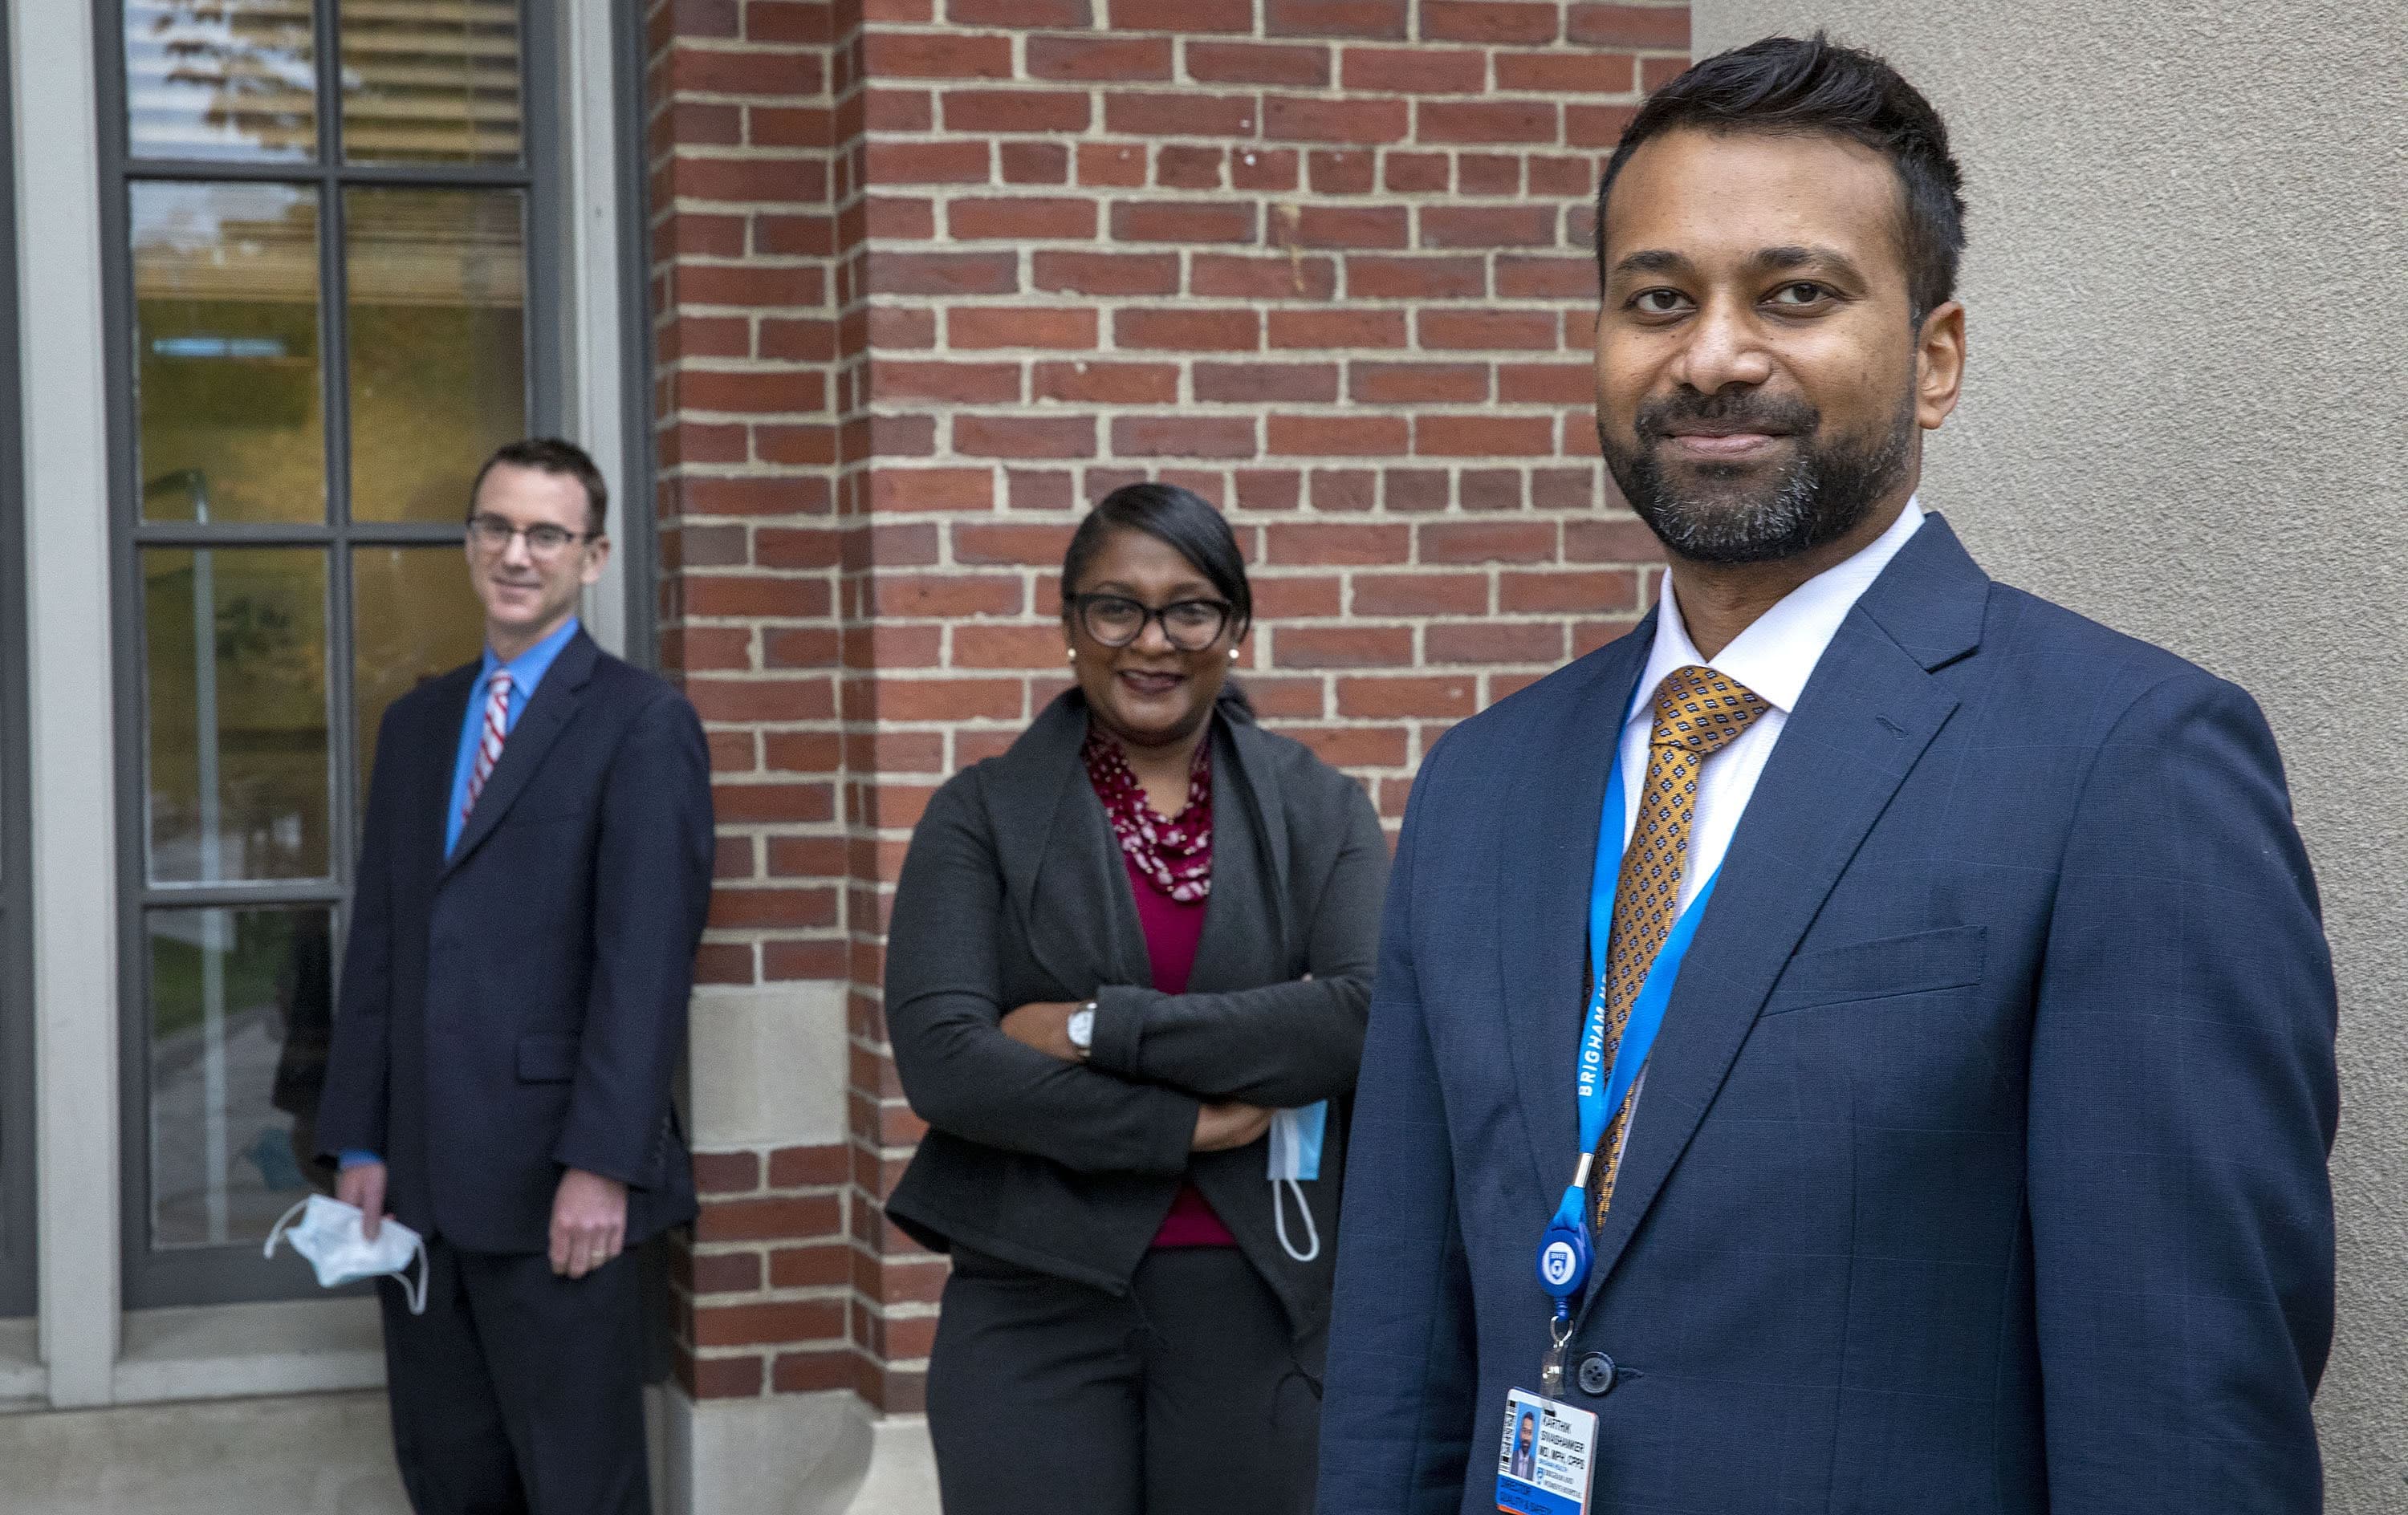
x,y
1015,892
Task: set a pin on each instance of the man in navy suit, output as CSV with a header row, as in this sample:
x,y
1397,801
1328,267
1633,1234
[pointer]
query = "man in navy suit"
x,y
1973,1157
532,881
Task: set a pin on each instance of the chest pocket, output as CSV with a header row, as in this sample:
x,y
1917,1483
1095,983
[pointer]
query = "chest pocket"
x,y
1918,962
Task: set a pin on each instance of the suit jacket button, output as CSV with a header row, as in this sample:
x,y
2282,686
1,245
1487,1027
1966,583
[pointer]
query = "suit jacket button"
x,y
1596,1375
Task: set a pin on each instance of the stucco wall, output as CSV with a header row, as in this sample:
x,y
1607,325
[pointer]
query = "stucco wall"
x,y
2187,415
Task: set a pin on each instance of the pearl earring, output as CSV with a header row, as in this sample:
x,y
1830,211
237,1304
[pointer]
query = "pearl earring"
x,y
1233,654
1072,655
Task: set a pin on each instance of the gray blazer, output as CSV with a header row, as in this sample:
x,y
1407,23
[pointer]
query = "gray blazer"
x,y
1014,892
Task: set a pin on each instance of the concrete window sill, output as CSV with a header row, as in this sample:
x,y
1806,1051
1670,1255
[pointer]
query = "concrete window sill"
x,y
225,1351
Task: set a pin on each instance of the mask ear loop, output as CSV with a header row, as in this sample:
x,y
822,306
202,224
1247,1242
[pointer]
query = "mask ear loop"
x,y
1278,1215
417,1298
282,1223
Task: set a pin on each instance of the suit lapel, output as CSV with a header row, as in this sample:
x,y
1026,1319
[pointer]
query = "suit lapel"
x,y
1862,723
554,706
1061,863
433,753
1547,842
1246,917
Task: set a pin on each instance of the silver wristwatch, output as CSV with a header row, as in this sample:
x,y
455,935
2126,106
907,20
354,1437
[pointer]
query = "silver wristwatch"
x,y
1081,1028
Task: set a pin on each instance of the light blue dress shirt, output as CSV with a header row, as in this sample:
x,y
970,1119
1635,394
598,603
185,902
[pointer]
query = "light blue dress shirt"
x,y
526,671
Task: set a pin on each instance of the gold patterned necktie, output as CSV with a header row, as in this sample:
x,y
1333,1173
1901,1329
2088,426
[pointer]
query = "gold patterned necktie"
x,y
1698,712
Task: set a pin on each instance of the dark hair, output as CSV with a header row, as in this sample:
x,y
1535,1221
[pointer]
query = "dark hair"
x,y
551,455
1785,86
1186,523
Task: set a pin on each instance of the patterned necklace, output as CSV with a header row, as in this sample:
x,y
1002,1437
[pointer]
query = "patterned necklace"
x,y
1175,856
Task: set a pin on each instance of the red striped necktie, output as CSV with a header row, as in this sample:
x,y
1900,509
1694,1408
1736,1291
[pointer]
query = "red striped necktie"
x,y
496,731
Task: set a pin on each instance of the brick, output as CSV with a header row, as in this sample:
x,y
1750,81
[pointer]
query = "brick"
x,y
1417,384
1037,546
1415,70
1248,276
1033,162
1358,436
1489,21
1568,72
925,163
1266,489
1545,384
1021,220
762,908
1179,168
1596,126
1541,642
1486,541
1286,597
1626,541
1300,119
975,383
1572,277
1267,382
781,1321
1487,226
1017,110
1495,174
1487,121
1189,329
934,55
1421,593
1066,15
1578,592
768,1219
1417,173
1345,489
727,1377
1258,62
1526,330
1025,436
1482,437
1183,220
1421,490
1183,437
1343,647
810,1268
1353,227
1335,18
1105,383
1263,169
898,110
1183,113
1629,26
1099,59
808,1168
987,645
889,218
940,273
728,1273
1343,173
1336,328
1572,178
1187,16
1028,326
1329,546
726,1172
1654,72
1112,164
1106,273
1417,279
892,489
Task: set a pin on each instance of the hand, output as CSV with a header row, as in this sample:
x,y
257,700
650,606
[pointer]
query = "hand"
x,y
361,1187
1044,1026
589,1223
1221,1127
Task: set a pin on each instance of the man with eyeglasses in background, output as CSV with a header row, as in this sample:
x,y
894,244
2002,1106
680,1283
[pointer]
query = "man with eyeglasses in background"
x,y
533,880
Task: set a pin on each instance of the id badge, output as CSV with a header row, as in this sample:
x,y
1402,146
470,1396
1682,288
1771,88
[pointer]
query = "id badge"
x,y
1544,1467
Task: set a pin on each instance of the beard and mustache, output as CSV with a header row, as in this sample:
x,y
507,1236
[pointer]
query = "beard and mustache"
x,y
1732,512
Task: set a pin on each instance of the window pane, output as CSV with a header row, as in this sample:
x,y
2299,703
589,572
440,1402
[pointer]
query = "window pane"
x,y
242,1008
219,78
416,618
225,292
437,343
431,80
234,667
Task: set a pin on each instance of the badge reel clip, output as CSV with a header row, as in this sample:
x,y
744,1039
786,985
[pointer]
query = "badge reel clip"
x,y
1564,1257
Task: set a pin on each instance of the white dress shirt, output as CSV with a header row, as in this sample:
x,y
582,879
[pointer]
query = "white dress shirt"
x,y
1773,658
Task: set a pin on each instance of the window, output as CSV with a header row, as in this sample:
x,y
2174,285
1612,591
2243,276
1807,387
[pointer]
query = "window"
x,y
334,222
17,1256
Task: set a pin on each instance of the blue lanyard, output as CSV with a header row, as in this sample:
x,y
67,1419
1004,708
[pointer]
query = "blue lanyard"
x,y
1564,1252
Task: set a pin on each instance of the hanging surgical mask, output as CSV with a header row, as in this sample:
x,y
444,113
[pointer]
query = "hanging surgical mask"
x,y
1295,1162
329,1234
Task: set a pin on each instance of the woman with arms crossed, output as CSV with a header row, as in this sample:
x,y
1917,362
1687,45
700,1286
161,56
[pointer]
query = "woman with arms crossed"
x,y
1119,952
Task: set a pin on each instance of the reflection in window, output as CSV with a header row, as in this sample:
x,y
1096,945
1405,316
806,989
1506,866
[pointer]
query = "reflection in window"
x,y
235,676
431,81
225,293
242,1008
415,617
219,78
438,314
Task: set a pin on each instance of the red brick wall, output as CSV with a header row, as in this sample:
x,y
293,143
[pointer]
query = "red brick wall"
x,y
932,275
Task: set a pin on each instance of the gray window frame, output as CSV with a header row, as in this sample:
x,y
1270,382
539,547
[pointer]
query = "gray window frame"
x,y
19,1244
236,1273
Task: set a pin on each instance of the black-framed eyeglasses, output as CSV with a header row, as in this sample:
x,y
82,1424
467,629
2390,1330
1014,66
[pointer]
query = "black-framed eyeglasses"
x,y
543,539
1116,620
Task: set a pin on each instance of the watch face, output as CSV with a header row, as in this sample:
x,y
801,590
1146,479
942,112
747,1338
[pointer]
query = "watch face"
x,y
1080,1027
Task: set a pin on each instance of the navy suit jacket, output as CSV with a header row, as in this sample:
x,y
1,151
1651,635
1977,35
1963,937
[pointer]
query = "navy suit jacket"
x,y
1981,1162
520,1006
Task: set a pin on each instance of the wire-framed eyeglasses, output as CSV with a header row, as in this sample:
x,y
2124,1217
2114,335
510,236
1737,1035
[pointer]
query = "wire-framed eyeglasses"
x,y
1116,620
543,539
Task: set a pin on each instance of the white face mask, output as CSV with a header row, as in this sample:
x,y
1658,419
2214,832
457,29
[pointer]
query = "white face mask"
x,y
329,1236
1295,1162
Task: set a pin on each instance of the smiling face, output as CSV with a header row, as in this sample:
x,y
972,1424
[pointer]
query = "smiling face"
x,y
528,593
1149,693
1761,383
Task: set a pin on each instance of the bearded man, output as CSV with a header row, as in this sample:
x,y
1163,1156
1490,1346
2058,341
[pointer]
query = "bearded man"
x,y
1863,1041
